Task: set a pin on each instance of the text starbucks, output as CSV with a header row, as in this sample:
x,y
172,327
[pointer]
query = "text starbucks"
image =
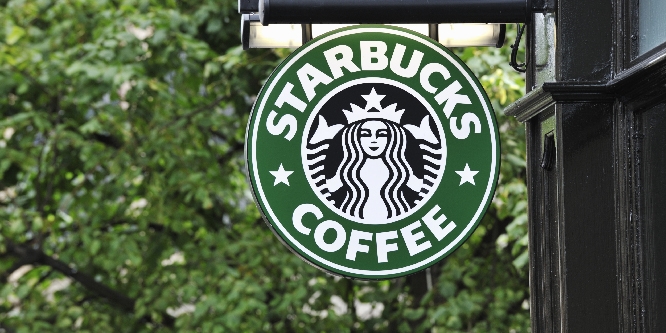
x,y
372,58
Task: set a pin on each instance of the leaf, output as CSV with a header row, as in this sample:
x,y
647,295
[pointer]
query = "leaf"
x,y
95,245
15,33
522,260
159,37
515,160
414,314
92,126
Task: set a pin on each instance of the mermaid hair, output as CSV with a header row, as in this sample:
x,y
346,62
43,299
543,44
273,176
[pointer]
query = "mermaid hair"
x,y
394,157
350,171
354,158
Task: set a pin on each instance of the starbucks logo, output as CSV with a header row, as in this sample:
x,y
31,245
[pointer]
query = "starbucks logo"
x,y
372,152
377,162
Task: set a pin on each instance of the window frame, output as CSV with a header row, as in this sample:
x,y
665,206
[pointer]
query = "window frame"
x,y
629,36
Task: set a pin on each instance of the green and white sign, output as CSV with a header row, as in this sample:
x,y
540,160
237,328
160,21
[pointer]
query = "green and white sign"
x,y
372,152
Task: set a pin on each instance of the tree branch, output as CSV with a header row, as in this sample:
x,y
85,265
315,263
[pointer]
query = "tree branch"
x,y
39,257
22,261
107,140
27,255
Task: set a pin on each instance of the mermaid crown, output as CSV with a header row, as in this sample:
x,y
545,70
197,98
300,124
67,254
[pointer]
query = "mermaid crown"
x,y
373,110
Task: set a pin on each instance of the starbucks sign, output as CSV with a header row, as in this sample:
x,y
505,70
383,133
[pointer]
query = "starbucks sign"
x,y
372,152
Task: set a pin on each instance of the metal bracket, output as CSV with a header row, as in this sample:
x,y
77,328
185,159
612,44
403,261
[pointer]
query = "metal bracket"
x,y
548,152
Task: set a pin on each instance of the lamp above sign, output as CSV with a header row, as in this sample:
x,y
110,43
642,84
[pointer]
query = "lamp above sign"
x,y
256,35
372,152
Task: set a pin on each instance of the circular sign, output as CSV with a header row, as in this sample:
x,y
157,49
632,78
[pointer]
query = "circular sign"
x,y
372,152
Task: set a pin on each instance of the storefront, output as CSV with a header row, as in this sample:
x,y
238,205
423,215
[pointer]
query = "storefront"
x,y
595,115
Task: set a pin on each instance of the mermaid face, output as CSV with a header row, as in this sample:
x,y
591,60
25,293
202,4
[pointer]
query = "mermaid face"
x,y
373,135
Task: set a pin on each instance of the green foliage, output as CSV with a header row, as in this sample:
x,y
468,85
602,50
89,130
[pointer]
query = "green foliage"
x,y
125,206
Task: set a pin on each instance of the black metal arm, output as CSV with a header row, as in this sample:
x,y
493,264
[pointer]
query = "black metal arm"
x,y
388,11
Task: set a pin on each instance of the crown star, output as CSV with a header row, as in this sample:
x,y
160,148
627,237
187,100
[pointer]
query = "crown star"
x,y
373,102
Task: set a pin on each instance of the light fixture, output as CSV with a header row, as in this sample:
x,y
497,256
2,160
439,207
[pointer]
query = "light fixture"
x,y
256,35
471,34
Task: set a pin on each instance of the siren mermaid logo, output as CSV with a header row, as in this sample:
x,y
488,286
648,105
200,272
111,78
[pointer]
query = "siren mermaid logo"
x,y
372,152
376,163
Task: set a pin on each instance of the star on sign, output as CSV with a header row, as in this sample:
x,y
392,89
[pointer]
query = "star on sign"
x,y
373,100
467,175
281,175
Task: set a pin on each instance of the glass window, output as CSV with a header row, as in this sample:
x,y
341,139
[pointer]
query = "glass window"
x,y
651,24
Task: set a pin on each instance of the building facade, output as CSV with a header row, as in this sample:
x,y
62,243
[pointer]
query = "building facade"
x,y
595,115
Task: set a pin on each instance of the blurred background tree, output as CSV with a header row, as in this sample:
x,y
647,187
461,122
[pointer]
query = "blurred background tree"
x,y
125,207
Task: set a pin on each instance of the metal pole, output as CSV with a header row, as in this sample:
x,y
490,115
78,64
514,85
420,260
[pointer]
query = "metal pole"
x,y
393,11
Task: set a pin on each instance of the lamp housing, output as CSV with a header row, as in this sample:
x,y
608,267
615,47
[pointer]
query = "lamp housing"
x,y
256,35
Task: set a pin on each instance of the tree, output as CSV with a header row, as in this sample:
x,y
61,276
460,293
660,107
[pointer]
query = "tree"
x,y
125,206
